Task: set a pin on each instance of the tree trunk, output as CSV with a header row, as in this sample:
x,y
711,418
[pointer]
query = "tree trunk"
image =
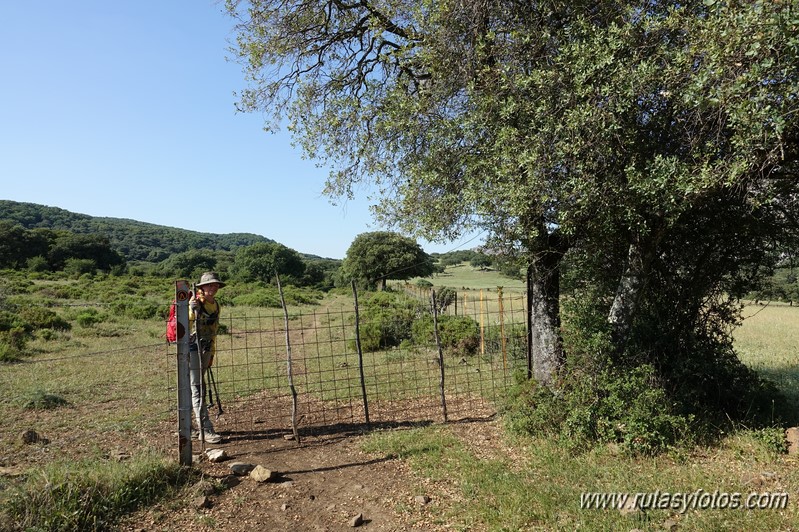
x,y
543,278
630,289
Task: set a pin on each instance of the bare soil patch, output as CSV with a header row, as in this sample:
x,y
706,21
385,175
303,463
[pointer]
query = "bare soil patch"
x,y
323,484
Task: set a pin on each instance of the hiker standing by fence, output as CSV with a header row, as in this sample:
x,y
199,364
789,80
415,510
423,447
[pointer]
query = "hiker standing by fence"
x,y
203,323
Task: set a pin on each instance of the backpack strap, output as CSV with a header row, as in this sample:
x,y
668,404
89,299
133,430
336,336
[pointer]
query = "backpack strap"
x,y
210,315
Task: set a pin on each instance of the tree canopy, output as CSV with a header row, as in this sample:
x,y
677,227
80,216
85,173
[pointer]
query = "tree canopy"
x,y
375,257
260,262
647,149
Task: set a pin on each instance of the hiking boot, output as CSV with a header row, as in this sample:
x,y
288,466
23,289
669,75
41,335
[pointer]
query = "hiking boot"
x,y
212,437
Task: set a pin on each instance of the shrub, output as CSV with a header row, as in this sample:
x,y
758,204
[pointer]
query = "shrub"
x,y
78,267
622,407
263,297
772,439
41,400
10,320
514,341
460,333
60,292
89,317
38,264
138,310
269,297
301,296
44,318
444,298
386,319
12,346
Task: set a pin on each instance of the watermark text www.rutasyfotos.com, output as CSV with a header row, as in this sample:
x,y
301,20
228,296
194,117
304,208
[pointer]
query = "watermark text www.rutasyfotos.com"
x,y
684,501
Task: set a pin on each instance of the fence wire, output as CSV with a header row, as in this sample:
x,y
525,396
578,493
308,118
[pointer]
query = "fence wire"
x,y
483,340
132,389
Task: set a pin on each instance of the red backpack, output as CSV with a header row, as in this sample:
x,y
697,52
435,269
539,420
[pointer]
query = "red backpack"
x,y
172,325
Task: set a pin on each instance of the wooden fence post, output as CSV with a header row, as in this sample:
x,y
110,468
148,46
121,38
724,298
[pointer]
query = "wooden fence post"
x,y
360,353
440,354
288,363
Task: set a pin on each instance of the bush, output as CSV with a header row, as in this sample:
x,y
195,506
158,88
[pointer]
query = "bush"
x,y
264,297
89,317
12,345
514,342
444,298
460,333
44,318
621,407
386,319
11,320
38,264
138,310
78,267
41,400
772,439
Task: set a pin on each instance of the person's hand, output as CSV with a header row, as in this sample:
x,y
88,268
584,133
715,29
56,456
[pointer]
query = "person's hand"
x,y
194,305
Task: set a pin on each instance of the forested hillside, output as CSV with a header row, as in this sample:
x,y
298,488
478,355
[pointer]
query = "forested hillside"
x,y
132,239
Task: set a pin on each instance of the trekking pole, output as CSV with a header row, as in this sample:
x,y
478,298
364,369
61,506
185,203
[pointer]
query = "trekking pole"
x,y
211,376
208,388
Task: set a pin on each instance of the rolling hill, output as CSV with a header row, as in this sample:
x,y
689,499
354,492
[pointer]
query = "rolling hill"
x,y
137,241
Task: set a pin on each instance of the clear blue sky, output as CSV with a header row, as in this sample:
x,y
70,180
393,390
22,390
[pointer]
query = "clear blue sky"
x,y
126,109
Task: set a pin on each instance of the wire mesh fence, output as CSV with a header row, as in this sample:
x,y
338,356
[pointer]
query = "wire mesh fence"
x,y
411,365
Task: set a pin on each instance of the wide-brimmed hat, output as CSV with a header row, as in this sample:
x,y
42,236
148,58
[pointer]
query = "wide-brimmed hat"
x,y
210,278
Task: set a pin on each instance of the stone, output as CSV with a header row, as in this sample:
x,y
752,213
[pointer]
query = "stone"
x,y
422,499
229,481
31,436
241,468
284,506
356,521
216,455
204,487
288,437
262,474
11,472
201,501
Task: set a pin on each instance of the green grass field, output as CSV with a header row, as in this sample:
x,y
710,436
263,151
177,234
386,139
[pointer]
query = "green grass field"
x,y
539,485
99,390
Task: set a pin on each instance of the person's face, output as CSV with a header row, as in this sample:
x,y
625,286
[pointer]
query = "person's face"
x,y
210,289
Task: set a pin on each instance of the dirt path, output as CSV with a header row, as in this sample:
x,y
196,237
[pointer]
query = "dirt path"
x,y
323,485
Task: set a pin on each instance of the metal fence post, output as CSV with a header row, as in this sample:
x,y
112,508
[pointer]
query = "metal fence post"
x,y
182,295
